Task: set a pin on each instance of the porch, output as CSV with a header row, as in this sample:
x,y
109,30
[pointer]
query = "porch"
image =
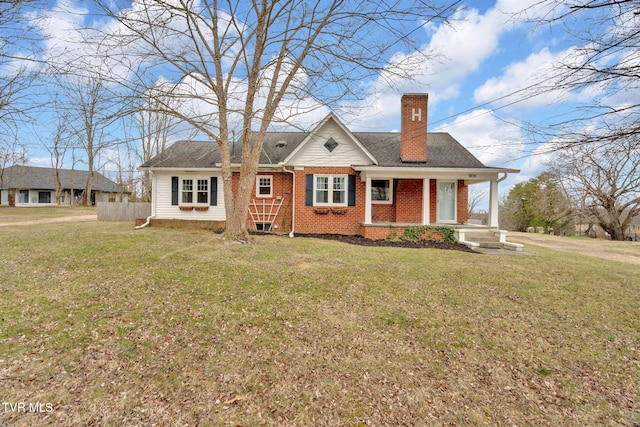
x,y
424,195
398,198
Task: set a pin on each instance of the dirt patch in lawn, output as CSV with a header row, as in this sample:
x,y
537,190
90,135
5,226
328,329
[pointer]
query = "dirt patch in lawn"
x,y
92,217
359,240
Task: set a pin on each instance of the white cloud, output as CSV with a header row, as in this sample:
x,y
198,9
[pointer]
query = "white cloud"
x,y
71,43
525,79
493,142
44,162
458,50
537,162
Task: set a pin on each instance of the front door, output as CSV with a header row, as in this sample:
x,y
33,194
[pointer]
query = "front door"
x,y
446,201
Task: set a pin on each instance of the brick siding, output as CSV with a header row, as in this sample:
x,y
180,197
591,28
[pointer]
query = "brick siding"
x,y
406,207
463,202
308,219
282,186
408,201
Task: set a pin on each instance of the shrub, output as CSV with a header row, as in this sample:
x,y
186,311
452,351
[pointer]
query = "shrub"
x,y
416,233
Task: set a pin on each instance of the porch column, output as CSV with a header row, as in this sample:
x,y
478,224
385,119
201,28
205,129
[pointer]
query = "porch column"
x,y
367,201
425,201
493,204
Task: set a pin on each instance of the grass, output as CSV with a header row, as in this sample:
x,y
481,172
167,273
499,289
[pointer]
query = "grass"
x,y
166,327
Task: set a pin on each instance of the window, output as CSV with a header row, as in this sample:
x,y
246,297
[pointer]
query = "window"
x,y
339,190
203,191
264,186
23,197
381,190
44,197
197,190
330,190
112,197
322,189
187,191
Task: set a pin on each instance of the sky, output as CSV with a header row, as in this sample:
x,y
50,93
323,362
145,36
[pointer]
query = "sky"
x,y
487,59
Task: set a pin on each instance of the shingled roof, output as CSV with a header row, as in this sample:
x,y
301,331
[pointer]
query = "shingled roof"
x,y
443,151
36,178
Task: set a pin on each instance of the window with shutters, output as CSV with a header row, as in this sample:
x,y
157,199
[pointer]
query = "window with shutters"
x,y
194,191
330,190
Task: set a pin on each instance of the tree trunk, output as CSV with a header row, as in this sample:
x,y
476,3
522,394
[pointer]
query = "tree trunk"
x,y
615,231
236,229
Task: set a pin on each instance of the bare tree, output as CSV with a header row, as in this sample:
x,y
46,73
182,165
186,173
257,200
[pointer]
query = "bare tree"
x,y
156,130
18,47
243,66
476,195
57,148
11,154
89,112
605,64
604,182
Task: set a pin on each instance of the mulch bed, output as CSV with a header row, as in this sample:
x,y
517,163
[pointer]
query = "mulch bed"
x,y
359,240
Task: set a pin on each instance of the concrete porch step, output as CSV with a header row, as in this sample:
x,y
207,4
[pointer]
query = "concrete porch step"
x,y
488,239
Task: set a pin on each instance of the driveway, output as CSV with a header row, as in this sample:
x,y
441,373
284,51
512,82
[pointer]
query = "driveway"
x,y
74,218
627,252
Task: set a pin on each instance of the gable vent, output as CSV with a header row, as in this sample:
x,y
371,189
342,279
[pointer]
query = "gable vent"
x,y
331,145
281,144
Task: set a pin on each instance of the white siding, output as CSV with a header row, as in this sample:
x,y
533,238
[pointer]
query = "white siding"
x,y
313,153
162,200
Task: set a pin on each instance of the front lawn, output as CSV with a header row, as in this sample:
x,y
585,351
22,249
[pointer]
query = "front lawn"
x,y
111,326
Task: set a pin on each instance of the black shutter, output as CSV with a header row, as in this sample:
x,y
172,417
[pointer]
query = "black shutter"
x,y
213,199
174,191
309,190
352,190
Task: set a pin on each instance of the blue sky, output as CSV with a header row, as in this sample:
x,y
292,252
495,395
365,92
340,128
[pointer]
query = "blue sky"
x,y
486,59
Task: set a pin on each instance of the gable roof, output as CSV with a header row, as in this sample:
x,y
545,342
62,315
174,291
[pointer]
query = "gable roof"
x,y
343,128
36,178
443,151
206,154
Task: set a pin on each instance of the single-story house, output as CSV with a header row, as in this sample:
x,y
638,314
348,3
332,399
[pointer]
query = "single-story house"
x,y
332,180
587,224
31,186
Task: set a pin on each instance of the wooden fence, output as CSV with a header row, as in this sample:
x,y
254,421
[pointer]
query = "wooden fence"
x,y
115,211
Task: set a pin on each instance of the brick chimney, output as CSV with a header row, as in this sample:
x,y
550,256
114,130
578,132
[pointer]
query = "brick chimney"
x,y
413,134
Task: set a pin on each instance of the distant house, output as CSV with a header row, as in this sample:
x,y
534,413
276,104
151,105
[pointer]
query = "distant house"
x,y
587,224
30,186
